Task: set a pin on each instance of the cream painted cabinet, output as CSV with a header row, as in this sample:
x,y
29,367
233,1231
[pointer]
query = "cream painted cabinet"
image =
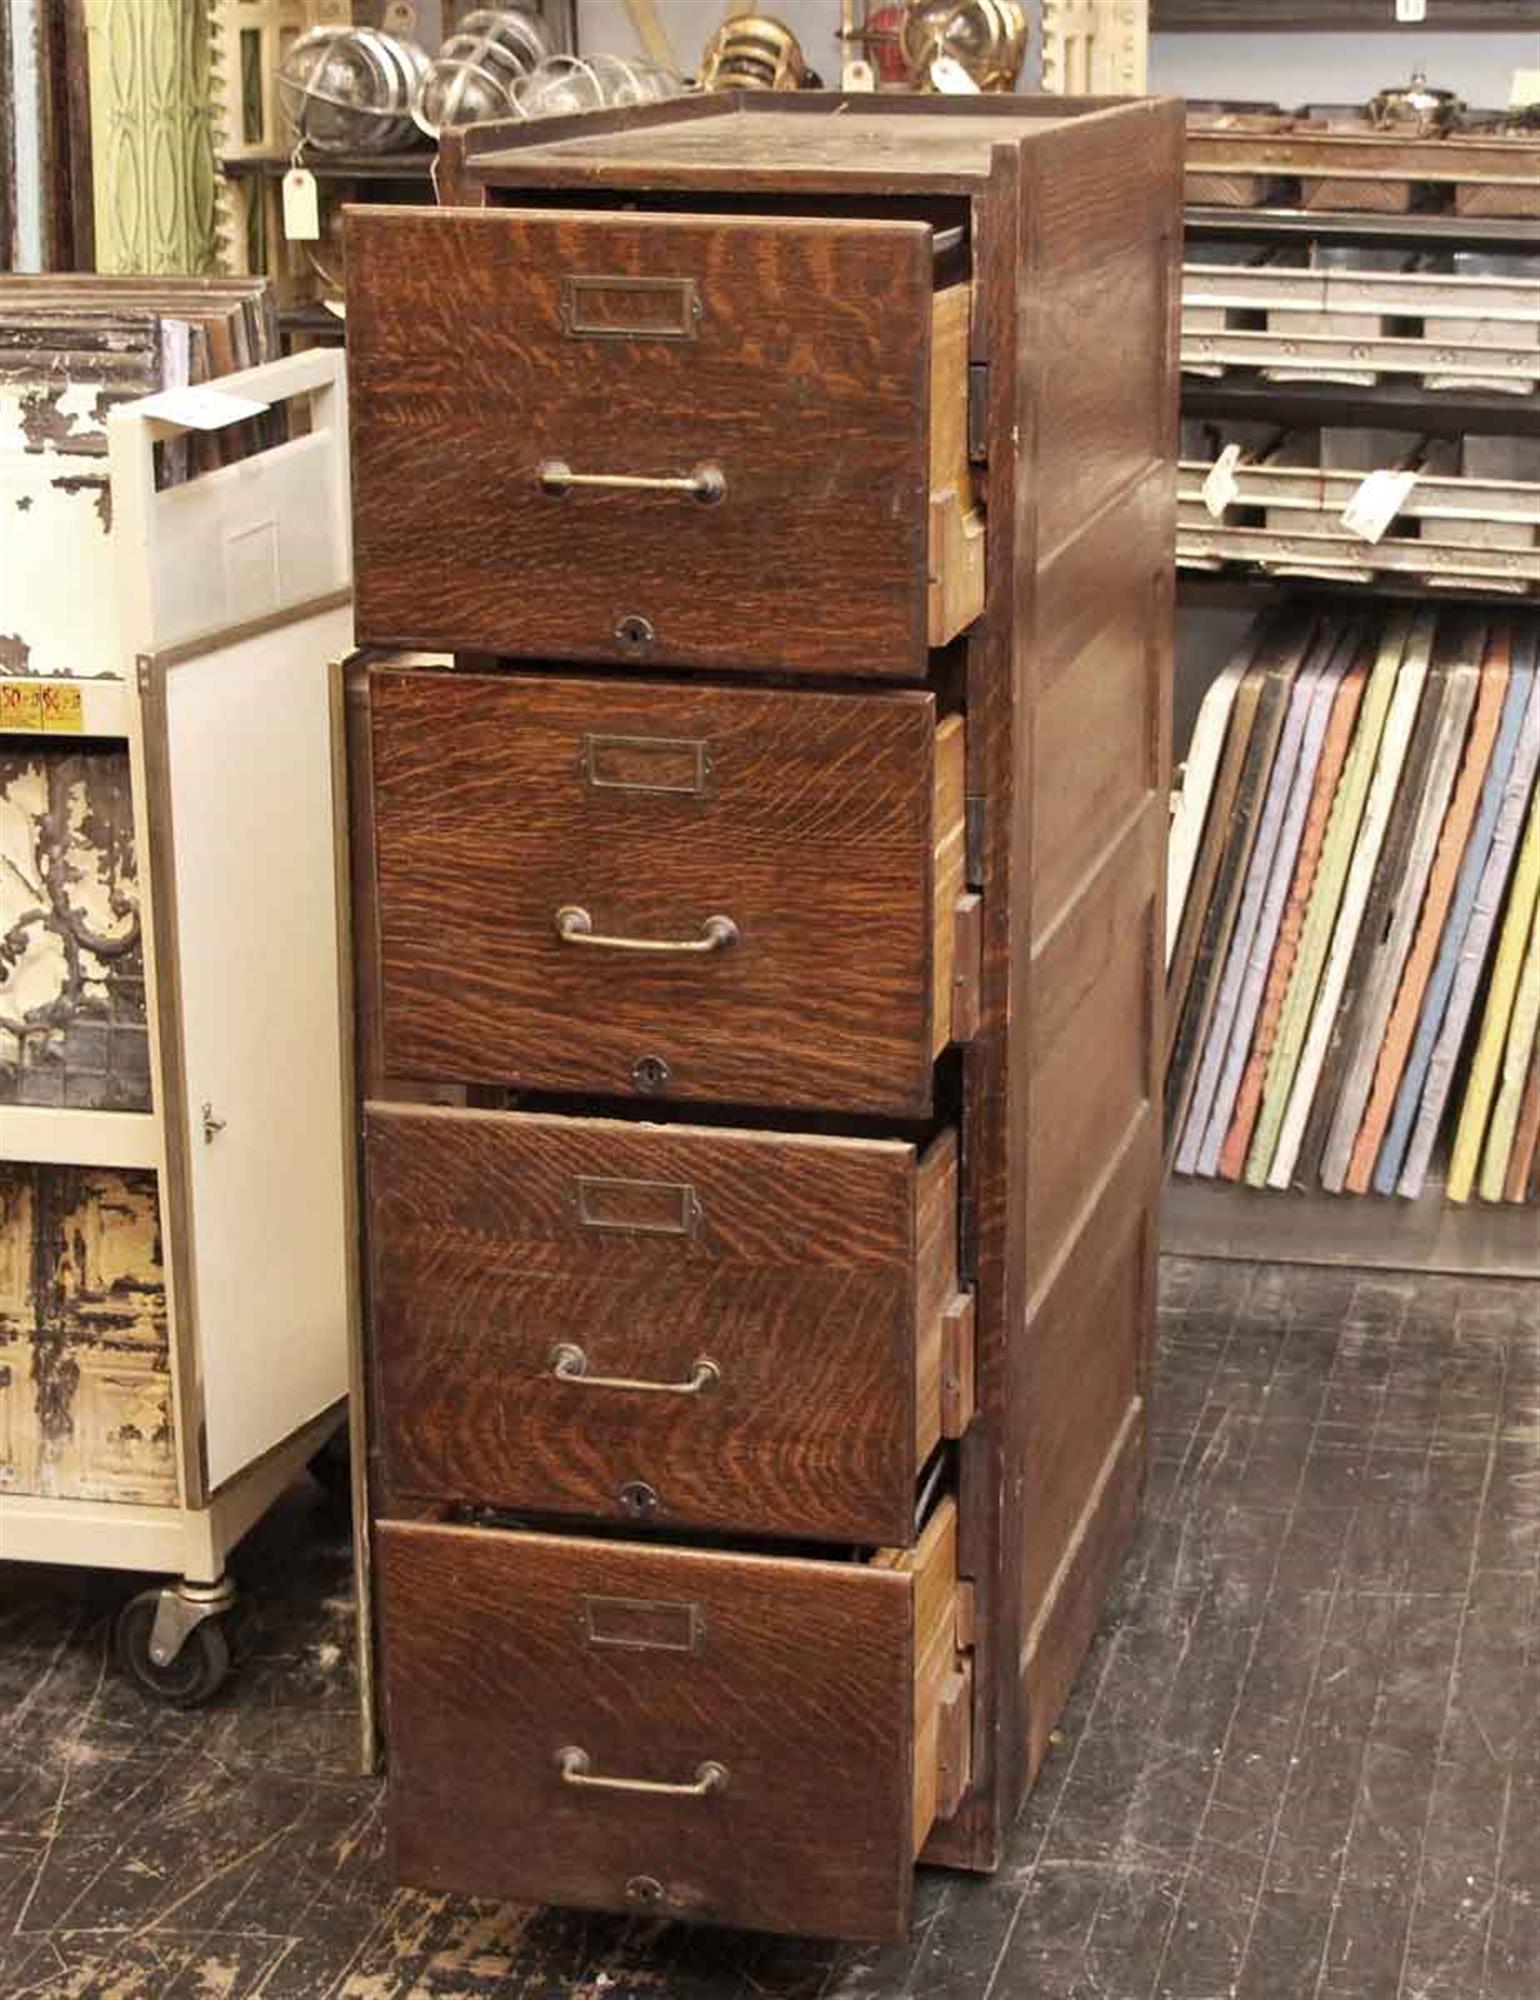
x,y
175,1158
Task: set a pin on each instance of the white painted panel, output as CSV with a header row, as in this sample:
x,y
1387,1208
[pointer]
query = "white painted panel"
x,y
53,524
49,1135
246,540
250,762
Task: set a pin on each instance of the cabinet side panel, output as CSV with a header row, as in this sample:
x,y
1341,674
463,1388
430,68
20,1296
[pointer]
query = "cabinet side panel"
x,y
995,1105
1103,225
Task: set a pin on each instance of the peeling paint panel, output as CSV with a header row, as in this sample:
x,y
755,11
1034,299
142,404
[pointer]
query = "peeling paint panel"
x,y
59,378
72,1010
85,1385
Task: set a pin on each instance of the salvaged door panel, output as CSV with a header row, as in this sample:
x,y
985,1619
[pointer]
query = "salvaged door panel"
x,y
85,1389
72,1010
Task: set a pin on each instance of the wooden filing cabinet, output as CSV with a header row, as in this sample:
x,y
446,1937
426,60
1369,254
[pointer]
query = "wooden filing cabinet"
x,y
764,512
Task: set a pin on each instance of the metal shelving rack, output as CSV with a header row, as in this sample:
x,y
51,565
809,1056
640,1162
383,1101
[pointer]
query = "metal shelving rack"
x,y
1218,1218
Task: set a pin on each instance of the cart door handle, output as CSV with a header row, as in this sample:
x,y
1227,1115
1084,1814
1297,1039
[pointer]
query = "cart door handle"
x,y
211,1124
570,1364
575,926
576,1769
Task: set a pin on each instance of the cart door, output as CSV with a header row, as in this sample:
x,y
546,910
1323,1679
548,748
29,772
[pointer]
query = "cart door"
x,y
251,961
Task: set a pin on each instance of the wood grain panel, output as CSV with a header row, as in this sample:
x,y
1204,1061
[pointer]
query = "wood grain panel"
x,y
773,143
813,831
1104,405
943,1369
794,355
940,1647
797,1677
1096,727
949,868
1090,1040
1083,1363
813,1273
957,539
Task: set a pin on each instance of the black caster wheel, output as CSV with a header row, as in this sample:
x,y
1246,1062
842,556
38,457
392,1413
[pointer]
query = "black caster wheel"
x,y
332,1469
197,1672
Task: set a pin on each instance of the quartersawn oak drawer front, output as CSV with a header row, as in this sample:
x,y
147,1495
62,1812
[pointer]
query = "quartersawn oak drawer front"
x,y
725,1330
708,893
748,1740
737,443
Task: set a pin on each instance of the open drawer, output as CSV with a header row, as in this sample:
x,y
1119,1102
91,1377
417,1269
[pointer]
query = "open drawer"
x,y
748,1332
719,893
712,441
750,1740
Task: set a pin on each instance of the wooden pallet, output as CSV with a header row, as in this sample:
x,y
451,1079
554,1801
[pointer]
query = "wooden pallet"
x,y
1256,161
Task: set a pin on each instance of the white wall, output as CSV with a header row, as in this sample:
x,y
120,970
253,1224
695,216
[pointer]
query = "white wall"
x,y
1292,69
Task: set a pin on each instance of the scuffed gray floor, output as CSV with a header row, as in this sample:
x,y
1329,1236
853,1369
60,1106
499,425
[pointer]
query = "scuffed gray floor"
x,y
1303,1759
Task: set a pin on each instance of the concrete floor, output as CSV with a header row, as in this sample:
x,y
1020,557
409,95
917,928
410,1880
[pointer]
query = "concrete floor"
x,y
1302,1760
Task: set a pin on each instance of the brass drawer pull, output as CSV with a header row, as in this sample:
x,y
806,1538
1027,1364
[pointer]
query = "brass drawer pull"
x,y
575,926
575,1770
707,483
570,1364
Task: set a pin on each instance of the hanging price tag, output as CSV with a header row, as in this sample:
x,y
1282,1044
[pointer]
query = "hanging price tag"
x,y
951,79
1221,487
301,206
1377,503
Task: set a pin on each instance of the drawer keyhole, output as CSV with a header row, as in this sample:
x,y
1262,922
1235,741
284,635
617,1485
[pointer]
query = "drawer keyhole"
x,y
634,636
639,1500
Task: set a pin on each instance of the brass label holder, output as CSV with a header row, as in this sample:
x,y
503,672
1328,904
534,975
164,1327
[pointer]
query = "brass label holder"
x,y
644,1625
676,765
612,306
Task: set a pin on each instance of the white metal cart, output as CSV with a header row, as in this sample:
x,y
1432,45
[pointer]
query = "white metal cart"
x,y
190,1407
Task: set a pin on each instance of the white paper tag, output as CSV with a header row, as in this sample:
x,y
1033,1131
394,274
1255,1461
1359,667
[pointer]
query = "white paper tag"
x,y
199,408
951,79
1411,10
1377,503
1221,486
301,206
1525,89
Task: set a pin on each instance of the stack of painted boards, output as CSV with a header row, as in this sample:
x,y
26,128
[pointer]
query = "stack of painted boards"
x,y
1353,939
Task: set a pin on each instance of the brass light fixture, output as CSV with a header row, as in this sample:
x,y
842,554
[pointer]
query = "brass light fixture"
x,y
986,38
755,52
1415,107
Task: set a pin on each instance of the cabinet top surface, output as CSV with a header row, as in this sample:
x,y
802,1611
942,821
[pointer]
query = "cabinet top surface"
x,y
813,138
